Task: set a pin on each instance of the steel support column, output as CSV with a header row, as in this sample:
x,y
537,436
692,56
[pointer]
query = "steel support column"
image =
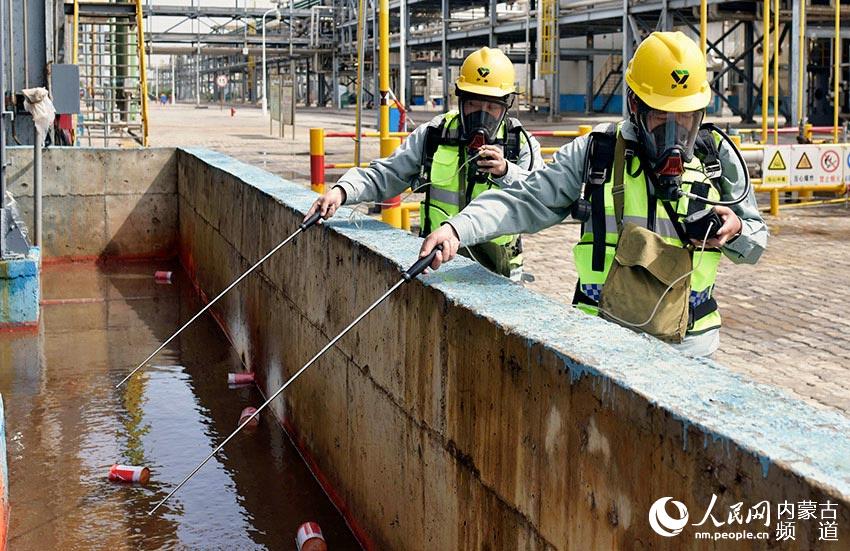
x,y
588,91
492,10
444,49
628,49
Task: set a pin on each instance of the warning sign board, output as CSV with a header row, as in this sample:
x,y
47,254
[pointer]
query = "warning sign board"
x,y
804,167
831,170
775,167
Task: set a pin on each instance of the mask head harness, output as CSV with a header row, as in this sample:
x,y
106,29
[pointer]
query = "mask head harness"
x,y
666,143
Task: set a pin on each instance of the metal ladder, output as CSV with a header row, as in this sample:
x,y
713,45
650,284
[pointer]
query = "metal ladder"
x,y
109,51
549,47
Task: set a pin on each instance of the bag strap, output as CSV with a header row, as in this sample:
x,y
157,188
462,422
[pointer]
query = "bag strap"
x,y
618,192
677,225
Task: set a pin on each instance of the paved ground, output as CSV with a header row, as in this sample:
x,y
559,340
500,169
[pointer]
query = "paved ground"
x,y
785,319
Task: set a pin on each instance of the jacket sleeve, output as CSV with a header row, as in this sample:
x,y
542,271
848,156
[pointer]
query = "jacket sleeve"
x,y
749,246
388,177
528,205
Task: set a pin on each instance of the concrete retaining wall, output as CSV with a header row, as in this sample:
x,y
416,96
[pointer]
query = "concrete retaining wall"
x,y
470,413
101,202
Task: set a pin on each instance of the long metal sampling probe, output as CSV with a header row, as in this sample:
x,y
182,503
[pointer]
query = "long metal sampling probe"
x,y
303,226
417,268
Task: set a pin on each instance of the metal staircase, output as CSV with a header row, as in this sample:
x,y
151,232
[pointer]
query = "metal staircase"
x,y
607,81
109,50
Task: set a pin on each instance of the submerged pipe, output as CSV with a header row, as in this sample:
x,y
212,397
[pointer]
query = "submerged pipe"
x,y
37,181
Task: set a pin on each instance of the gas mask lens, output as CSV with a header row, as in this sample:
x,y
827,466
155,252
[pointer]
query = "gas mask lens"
x,y
479,116
667,132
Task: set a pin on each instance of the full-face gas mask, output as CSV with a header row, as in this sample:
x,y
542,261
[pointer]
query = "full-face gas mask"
x,y
667,143
481,117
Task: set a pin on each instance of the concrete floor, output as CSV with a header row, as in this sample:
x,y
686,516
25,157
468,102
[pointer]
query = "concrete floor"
x,y
785,319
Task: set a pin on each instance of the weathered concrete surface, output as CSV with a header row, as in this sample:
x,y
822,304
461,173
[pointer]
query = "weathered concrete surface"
x,y
19,291
468,412
101,202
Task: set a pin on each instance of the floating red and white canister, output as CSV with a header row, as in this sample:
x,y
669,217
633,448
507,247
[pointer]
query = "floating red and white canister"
x,y
310,538
246,413
162,276
240,378
129,473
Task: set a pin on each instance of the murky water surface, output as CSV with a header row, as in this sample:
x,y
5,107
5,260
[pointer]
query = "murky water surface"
x,y
66,424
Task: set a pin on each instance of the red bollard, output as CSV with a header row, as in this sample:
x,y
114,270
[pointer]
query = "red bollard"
x,y
310,538
232,112
317,160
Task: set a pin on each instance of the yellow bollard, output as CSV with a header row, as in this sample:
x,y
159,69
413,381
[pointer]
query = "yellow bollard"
x,y
774,202
585,129
390,211
405,219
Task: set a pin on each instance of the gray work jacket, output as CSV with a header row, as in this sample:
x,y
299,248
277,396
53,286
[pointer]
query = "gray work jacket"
x,y
385,178
544,197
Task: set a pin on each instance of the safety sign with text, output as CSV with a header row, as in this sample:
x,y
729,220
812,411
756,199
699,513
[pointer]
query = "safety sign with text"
x,y
776,164
805,165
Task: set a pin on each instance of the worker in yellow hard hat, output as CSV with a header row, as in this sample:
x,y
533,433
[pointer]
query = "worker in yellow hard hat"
x,y
454,158
661,197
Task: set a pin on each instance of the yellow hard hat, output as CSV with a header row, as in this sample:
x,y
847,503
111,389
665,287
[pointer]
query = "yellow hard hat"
x,y
487,72
668,73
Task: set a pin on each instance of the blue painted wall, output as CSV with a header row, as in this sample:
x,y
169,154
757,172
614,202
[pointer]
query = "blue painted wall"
x,y
19,289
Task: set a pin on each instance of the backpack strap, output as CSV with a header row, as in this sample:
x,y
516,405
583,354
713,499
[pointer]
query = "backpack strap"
x,y
705,149
514,133
433,139
597,165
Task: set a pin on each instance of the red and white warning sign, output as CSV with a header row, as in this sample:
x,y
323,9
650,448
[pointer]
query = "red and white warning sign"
x,y
221,81
804,165
831,170
776,164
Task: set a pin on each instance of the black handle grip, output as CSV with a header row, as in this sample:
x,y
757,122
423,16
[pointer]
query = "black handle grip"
x,y
420,265
310,221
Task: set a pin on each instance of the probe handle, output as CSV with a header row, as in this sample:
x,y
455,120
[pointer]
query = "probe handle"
x,y
310,221
420,265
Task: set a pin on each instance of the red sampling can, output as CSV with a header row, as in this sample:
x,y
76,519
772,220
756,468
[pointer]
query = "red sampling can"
x,y
129,473
310,538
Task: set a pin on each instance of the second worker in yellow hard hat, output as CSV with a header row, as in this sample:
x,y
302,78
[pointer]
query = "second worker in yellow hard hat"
x,y
455,158
661,196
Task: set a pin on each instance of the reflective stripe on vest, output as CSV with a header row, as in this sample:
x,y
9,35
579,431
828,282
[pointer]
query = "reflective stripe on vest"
x,y
591,283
